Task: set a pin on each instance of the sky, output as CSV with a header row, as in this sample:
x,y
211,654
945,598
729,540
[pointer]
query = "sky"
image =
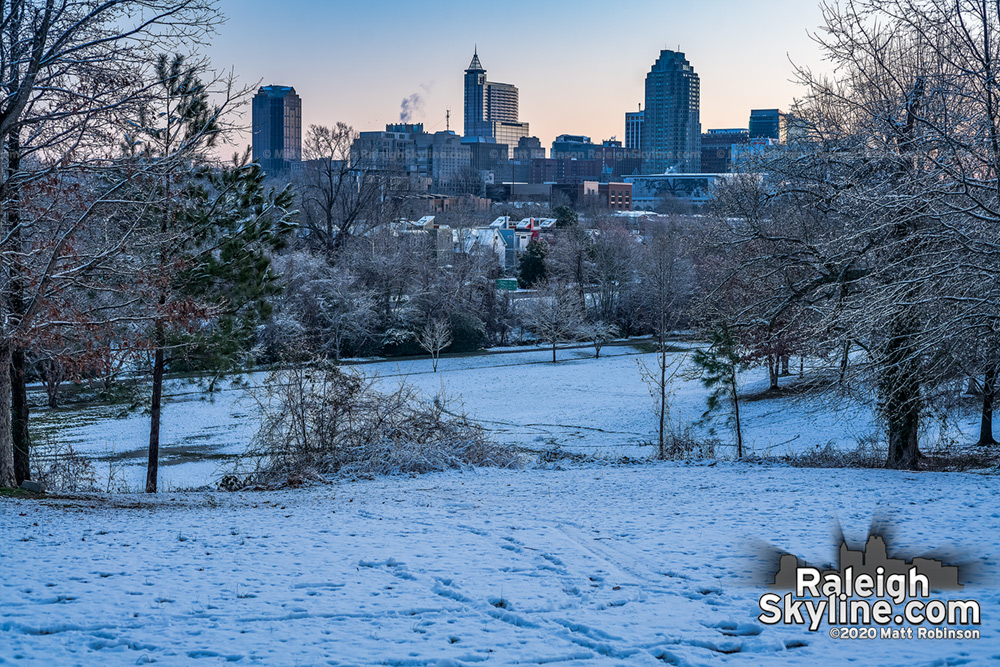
x,y
579,65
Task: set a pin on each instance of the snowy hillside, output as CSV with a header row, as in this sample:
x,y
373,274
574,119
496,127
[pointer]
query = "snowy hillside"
x,y
594,406
593,565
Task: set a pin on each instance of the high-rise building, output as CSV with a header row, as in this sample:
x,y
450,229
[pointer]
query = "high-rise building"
x,y
633,129
671,128
475,99
277,128
491,109
501,102
716,149
767,124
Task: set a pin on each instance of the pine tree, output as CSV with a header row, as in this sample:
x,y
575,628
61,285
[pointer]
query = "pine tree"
x,y
531,268
209,235
720,365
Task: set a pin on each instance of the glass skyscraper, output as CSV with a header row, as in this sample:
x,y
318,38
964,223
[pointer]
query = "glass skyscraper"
x,y
277,128
671,126
767,124
491,109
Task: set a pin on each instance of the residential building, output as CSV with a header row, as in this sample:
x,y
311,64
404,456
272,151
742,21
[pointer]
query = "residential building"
x,y
277,128
671,127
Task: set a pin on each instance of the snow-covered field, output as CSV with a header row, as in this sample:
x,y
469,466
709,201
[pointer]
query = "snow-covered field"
x,y
600,407
592,565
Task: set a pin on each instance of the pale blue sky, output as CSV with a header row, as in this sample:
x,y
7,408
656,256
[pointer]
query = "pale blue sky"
x,y
579,64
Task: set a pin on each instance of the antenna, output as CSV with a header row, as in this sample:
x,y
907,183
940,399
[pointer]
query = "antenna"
x,y
447,120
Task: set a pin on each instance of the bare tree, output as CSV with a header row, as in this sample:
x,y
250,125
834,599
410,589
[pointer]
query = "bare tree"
x,y
346,190
597,334
435,337
554,315
68,69
902,166
614,253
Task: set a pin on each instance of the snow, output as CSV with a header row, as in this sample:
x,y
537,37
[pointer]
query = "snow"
x,y
590,565
599,407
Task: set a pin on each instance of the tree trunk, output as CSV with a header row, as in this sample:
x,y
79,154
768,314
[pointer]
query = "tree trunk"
x,y
19,390
553,352
844,359
663,402
736,414
989,394
785,361
901,400
7,476
904,452
153,465
19,418
772,372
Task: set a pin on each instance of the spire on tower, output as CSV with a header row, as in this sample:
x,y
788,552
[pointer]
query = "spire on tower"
x,y
475,66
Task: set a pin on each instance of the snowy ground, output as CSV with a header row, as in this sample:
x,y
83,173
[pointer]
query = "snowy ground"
x,y
594,406
592,565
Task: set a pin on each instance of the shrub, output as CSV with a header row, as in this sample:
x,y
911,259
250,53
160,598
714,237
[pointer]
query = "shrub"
x,y
869,453
326,420
61,469
468,332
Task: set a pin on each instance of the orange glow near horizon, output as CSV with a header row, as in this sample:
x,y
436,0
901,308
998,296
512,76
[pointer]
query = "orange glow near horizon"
x,y
579,65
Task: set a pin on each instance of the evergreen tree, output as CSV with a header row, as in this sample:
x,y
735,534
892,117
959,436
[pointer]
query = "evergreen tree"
x,y
531,268
720,365
209,234
565,217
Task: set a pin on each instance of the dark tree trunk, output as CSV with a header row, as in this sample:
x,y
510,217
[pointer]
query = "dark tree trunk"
x,y
772,372
153,464
901,401
553,352
19,418
989,395
6,448
19,390
733,387
785,361
904,451
663,401
844,359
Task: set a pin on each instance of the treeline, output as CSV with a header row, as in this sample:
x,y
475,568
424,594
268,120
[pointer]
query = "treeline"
x,y
124,243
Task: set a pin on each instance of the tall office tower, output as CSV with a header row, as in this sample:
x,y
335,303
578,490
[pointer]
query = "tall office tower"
x,y
671,129
767,124
491,109
475,99
501,102
717,147
633,129
277,128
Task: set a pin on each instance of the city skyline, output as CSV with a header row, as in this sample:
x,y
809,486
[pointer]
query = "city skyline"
x,y
575,75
